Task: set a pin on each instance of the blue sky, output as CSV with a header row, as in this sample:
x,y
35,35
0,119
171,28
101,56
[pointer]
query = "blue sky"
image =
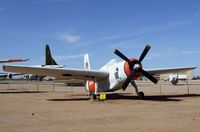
x,y
75,27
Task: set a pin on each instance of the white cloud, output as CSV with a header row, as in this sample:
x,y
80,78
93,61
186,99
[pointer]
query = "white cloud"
x,y
2,9
153,56
169,53
197,14
156,28
68,57
190,52
134,35
70,38
50,1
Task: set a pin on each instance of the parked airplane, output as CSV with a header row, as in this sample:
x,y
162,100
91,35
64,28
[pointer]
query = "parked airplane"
x,y
49,62
13,60
10,75
175,78
112,76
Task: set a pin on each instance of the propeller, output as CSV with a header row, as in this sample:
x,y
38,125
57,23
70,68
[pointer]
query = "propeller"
x,y
117,52
136,67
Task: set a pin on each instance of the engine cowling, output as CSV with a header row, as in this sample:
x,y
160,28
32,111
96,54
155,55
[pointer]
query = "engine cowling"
x,y
10,76
127,68
91,86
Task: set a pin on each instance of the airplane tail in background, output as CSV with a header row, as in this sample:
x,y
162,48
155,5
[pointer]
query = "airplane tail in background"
x,y
86,62
49,59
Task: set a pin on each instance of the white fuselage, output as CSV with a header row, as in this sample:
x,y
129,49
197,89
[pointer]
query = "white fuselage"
x,y
115,80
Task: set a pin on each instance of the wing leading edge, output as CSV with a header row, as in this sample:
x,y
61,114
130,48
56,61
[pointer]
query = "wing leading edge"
x,y
169,70
59,73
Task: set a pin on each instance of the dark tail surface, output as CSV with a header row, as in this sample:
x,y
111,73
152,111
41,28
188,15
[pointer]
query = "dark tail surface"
x,y
49,58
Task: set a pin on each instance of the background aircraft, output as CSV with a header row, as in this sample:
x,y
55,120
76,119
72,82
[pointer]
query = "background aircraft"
x,y
10,75
114,75
174,79
13,60
49,62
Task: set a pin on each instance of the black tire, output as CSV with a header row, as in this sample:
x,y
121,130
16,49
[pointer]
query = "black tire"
x,y
93,96
141,95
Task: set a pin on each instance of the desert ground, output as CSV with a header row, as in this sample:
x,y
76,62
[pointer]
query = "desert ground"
x,y
54,107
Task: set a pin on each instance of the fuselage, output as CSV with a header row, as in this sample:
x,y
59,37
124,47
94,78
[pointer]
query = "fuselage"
x,y
118,71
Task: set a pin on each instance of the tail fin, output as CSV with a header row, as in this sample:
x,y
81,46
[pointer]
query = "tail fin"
x,y
86,62
49,58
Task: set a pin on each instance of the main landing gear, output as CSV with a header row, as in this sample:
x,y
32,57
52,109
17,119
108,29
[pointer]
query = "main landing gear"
x,y
141,95
93,96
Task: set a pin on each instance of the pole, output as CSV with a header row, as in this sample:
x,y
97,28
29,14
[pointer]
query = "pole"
x,y
160,88
37,87
53,87
188,88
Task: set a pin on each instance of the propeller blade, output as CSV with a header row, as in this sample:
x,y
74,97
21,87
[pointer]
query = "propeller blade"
x,y
149,76
135,86
144,53
117,52
128,80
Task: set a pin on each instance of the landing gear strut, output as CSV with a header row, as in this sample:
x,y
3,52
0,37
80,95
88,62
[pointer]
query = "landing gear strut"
x,y
140,94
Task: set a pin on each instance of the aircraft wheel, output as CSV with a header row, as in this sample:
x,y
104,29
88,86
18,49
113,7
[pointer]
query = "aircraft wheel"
x,y
93,96
141,95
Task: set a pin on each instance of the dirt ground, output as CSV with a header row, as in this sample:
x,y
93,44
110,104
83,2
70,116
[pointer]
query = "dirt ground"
x,y
41,107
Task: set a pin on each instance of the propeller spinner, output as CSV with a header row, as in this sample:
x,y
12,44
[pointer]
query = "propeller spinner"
x,y
136,67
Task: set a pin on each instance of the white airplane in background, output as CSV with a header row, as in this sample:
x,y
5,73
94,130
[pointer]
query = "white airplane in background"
x,y
174,79
112,76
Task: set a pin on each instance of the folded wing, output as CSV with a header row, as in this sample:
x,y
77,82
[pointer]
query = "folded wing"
x,y
59,73
169,70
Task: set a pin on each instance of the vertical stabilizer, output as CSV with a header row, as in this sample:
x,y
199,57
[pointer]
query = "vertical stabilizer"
x,y
49,59
86,62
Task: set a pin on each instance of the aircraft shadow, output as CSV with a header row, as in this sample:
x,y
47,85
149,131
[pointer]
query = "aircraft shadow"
x,y
21,92
72,99
116,96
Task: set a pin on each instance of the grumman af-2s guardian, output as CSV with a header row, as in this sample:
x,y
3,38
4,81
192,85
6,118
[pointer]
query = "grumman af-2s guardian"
x,y
111,77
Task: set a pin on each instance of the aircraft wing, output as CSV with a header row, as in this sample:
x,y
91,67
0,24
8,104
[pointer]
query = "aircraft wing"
x,y
3,75
59,73
13,60
169,70
10,75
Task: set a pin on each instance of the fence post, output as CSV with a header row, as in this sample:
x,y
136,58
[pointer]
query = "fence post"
x,y
53,87
188,88
23,86
71,89
160,88
37,87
